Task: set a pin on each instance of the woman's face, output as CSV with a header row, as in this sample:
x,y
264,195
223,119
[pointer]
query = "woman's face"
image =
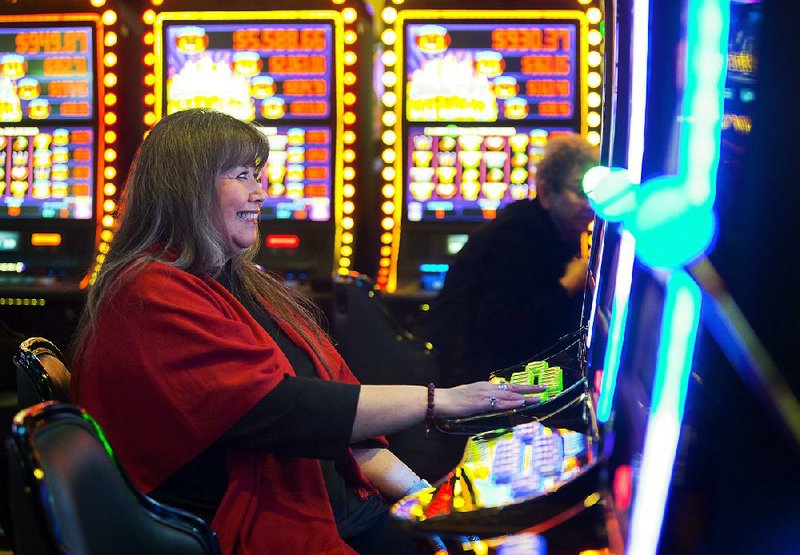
x,y
240,197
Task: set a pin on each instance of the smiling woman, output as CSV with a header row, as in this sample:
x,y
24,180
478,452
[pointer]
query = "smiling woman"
x,y
217,389
240,196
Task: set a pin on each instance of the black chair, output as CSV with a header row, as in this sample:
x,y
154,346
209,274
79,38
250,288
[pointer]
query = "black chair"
x,y
376,347
381,351
42,374
69,495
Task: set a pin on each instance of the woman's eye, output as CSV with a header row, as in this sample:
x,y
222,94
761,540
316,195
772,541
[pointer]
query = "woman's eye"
x,y
243,176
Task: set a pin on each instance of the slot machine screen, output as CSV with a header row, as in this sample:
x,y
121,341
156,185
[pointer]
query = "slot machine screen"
x,y
481,101
47,114
279,76
468,174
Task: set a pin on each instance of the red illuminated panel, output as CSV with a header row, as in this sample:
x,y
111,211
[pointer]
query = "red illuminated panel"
x,y
305,87
441,502
80,137
318,136
81,172
317,173
282,241
317,154
314,190
623,487
308,108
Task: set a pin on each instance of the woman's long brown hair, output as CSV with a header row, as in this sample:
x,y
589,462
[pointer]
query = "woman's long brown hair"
x,y
169,212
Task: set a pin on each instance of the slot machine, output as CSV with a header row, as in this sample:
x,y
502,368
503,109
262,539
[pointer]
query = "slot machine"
x,y
692,383
59,155
294,72
470,97
674,318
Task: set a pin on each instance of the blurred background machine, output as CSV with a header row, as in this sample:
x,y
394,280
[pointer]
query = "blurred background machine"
x,y
470,97
61,157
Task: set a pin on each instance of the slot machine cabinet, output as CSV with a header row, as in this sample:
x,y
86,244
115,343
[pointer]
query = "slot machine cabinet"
x,y
59,156
692,404
470,97
295,72
653,296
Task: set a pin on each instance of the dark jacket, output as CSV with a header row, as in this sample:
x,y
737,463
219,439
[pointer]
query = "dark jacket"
x,y
502,301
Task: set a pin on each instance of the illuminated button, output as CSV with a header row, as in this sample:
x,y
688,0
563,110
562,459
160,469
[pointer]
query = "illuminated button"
x,y
109,17
389,99
45,239
389,15
283,241
349,15
594,15
388,36
389,58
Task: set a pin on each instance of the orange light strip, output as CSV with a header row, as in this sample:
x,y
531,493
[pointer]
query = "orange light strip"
x,y
107,194
45,239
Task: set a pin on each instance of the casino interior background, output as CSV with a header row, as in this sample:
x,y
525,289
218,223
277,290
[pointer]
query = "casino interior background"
x,y
686,349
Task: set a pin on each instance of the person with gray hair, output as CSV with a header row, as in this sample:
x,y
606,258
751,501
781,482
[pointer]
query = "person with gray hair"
x,y
513,289
214,384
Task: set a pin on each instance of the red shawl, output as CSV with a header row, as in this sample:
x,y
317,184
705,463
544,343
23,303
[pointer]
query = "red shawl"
x,y
176,361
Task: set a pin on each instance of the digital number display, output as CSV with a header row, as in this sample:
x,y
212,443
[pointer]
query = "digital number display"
x,y
252,71
470,173
498,72
46,74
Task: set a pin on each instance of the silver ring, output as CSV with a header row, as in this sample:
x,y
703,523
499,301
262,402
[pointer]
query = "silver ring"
x,y
502,386
492,402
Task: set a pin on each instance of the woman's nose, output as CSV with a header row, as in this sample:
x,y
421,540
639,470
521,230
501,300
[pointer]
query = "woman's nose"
x,y
259,193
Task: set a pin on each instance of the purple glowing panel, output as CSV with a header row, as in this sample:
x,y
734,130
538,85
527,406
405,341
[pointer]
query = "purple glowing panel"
x,y
297,176
470,173
251,70
46,74
47,172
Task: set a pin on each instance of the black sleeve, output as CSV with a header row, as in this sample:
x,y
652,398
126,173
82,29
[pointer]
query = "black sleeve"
x,y
301,417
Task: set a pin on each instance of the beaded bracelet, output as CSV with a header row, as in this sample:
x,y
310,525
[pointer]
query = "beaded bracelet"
x,y
429,421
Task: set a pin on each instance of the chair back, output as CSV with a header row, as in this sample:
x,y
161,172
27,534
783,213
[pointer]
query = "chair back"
x,y
379,350
376,347
69,495
42,374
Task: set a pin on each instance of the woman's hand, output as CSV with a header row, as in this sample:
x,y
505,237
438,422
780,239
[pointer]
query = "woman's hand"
x,y
385,409
480,397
